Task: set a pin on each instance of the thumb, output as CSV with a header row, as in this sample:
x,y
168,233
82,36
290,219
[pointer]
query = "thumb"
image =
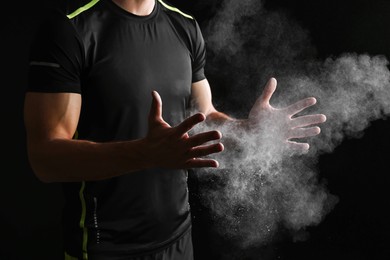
x,y
267,93
155,113
263,100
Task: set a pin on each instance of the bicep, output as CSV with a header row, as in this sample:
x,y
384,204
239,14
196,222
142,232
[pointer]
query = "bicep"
x,y
201,97
49,116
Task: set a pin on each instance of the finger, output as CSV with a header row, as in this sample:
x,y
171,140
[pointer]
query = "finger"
x,y
303,132
300,105
202,138
303,121
201,163
201,151
267,93
298,147
155,113
189,123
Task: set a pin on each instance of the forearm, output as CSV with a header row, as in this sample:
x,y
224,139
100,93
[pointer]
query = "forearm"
x,y
217,119
66,160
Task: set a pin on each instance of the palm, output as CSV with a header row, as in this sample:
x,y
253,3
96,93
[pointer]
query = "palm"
x,y
279,124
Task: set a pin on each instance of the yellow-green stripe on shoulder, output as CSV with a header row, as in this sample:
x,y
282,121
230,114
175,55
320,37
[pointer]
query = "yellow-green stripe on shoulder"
x,y
82,9
174,9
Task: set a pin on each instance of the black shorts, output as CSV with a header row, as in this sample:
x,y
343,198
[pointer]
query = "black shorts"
x,y
180,250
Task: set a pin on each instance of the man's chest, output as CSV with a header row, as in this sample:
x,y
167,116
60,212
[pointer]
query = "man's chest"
x,y
132,61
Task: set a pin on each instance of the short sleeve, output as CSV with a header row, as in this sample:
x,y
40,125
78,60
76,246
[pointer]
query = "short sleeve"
x,y
199,55
56,57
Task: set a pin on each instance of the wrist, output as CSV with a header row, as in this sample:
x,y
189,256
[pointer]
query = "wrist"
x,y
144,154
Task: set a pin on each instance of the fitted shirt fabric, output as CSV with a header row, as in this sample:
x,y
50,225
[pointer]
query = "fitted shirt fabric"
x,y
114,59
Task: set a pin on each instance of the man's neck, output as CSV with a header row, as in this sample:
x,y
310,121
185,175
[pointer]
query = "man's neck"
x,y
137,7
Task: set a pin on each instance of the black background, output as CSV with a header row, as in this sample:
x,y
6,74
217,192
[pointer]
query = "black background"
x,y
356,171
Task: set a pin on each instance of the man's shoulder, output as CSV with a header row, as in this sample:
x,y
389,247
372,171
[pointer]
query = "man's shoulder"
x,y
176,13
185,23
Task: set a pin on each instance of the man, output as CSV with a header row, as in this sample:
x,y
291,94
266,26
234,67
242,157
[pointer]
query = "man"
x,y
95,122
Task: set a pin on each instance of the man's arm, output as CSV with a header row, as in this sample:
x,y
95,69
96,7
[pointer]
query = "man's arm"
x,y
51,120
202,98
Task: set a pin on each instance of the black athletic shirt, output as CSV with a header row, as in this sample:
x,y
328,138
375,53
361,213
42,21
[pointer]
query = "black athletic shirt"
x,y
114,59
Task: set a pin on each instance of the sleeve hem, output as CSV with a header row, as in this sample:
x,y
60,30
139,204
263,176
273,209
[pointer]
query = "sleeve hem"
x,y
198,77
57,89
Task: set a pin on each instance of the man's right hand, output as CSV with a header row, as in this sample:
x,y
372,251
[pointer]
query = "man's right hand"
x,y
172,147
